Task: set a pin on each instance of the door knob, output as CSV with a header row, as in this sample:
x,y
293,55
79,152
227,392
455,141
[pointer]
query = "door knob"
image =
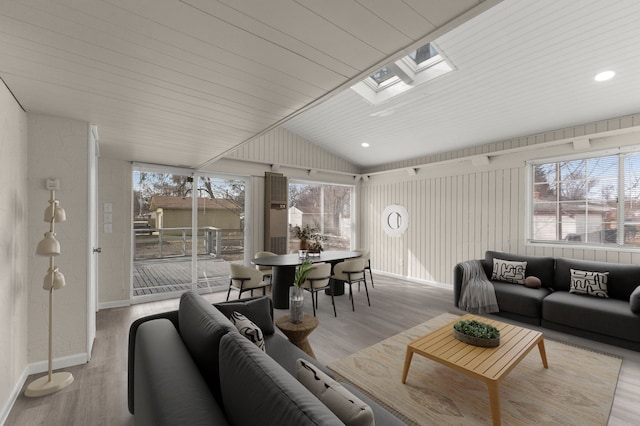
x,y
97,250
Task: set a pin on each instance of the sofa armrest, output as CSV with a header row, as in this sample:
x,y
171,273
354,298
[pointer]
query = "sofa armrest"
x,y
457,281
133,330
169,389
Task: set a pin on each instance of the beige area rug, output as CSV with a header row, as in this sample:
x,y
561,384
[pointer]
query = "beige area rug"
x,y
577,389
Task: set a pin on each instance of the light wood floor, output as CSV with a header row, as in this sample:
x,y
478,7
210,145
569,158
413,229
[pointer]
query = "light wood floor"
x,y
99,394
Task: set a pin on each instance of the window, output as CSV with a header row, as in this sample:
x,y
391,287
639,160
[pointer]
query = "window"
x,y
421,65
590,201
324,207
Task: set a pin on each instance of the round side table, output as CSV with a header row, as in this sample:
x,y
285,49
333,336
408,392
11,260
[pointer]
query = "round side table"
x,y
297,333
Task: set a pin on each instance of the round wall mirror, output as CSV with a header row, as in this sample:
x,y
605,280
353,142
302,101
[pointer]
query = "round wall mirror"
x,y
395,220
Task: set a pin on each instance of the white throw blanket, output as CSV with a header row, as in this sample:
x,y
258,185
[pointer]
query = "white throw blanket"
x,y
477,294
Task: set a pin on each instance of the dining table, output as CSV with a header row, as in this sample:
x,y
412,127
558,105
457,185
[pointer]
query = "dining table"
x,y
283,271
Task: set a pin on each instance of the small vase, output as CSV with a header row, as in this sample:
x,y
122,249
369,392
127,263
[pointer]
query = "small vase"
x,y
296,303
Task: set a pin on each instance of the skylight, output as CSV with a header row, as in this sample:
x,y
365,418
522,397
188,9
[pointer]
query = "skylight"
x,y
383,75
421,65
423,54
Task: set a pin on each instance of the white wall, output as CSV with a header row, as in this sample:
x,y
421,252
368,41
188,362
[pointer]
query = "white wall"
x,y
114,263
459,210
58,148
13,250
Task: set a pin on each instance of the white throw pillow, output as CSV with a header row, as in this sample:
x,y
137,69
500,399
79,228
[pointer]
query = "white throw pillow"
x,y
590,283
509,271
345,405
248,329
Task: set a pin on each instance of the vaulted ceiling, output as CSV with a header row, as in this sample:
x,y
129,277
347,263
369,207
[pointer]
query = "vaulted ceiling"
x,y
184,82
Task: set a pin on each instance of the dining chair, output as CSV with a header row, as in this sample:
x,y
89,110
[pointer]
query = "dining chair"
x,y
243,278
266,271
319,279
352,272
367,263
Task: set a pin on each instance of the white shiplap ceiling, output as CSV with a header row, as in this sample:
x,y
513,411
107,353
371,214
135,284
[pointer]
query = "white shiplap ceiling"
x,y
522,67
183,82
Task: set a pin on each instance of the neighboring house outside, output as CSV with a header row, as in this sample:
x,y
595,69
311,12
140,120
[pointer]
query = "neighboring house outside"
x,y
295,217
175,212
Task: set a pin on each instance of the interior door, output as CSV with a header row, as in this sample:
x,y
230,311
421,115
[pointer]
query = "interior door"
x,y
92,272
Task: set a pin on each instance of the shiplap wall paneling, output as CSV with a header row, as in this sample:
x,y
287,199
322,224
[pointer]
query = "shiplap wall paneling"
x,y
280,146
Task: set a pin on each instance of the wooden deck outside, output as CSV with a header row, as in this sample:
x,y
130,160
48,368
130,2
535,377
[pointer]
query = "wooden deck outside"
x,y
153,276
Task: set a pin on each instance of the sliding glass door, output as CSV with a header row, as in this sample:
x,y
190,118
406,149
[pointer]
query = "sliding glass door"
x,y
220,217
186,228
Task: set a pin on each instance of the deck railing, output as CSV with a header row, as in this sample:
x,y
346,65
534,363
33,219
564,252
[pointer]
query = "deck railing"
x,y
169,242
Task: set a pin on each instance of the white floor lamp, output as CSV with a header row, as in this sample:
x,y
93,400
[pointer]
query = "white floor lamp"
x,y
53,280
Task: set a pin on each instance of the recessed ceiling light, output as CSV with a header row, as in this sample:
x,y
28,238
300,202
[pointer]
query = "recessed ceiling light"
x,y
604,76
365,145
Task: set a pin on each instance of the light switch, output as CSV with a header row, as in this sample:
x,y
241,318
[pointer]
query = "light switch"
x,y
108,207
108,218
107,228
52,184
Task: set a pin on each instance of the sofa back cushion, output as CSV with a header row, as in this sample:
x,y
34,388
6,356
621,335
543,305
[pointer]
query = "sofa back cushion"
x,y
621,281
201,327
259,310
541,267
256,390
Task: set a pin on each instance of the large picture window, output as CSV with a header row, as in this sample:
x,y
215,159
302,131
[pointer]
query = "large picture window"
x,y
590,201
325,208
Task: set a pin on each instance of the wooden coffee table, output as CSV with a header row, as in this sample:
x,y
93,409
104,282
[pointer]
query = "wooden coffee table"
x,y
491,365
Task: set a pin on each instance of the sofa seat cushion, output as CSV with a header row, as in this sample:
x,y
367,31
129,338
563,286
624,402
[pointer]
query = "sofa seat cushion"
x,y
519,299
169,389
201,328
258,391
621,281
610,317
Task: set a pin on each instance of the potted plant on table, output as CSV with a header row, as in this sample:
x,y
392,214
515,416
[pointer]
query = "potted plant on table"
x,y
296,292
310,239
477,333
316,244
304,235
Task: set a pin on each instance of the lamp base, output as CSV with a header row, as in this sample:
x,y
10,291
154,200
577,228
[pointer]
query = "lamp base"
x,y
43,386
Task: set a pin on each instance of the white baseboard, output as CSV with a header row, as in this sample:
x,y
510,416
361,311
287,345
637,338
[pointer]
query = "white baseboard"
x,y
13,396
64,362
414,280
114,304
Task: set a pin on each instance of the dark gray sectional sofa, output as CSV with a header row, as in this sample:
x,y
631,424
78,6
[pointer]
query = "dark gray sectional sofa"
x,y
609,320
192,367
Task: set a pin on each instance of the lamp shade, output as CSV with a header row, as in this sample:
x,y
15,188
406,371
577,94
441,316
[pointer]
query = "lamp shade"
x,y
53,280
54,211
48,246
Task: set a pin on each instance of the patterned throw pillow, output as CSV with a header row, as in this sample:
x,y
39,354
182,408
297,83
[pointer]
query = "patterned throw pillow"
x,y
345,405
591,283
248,329
509,271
